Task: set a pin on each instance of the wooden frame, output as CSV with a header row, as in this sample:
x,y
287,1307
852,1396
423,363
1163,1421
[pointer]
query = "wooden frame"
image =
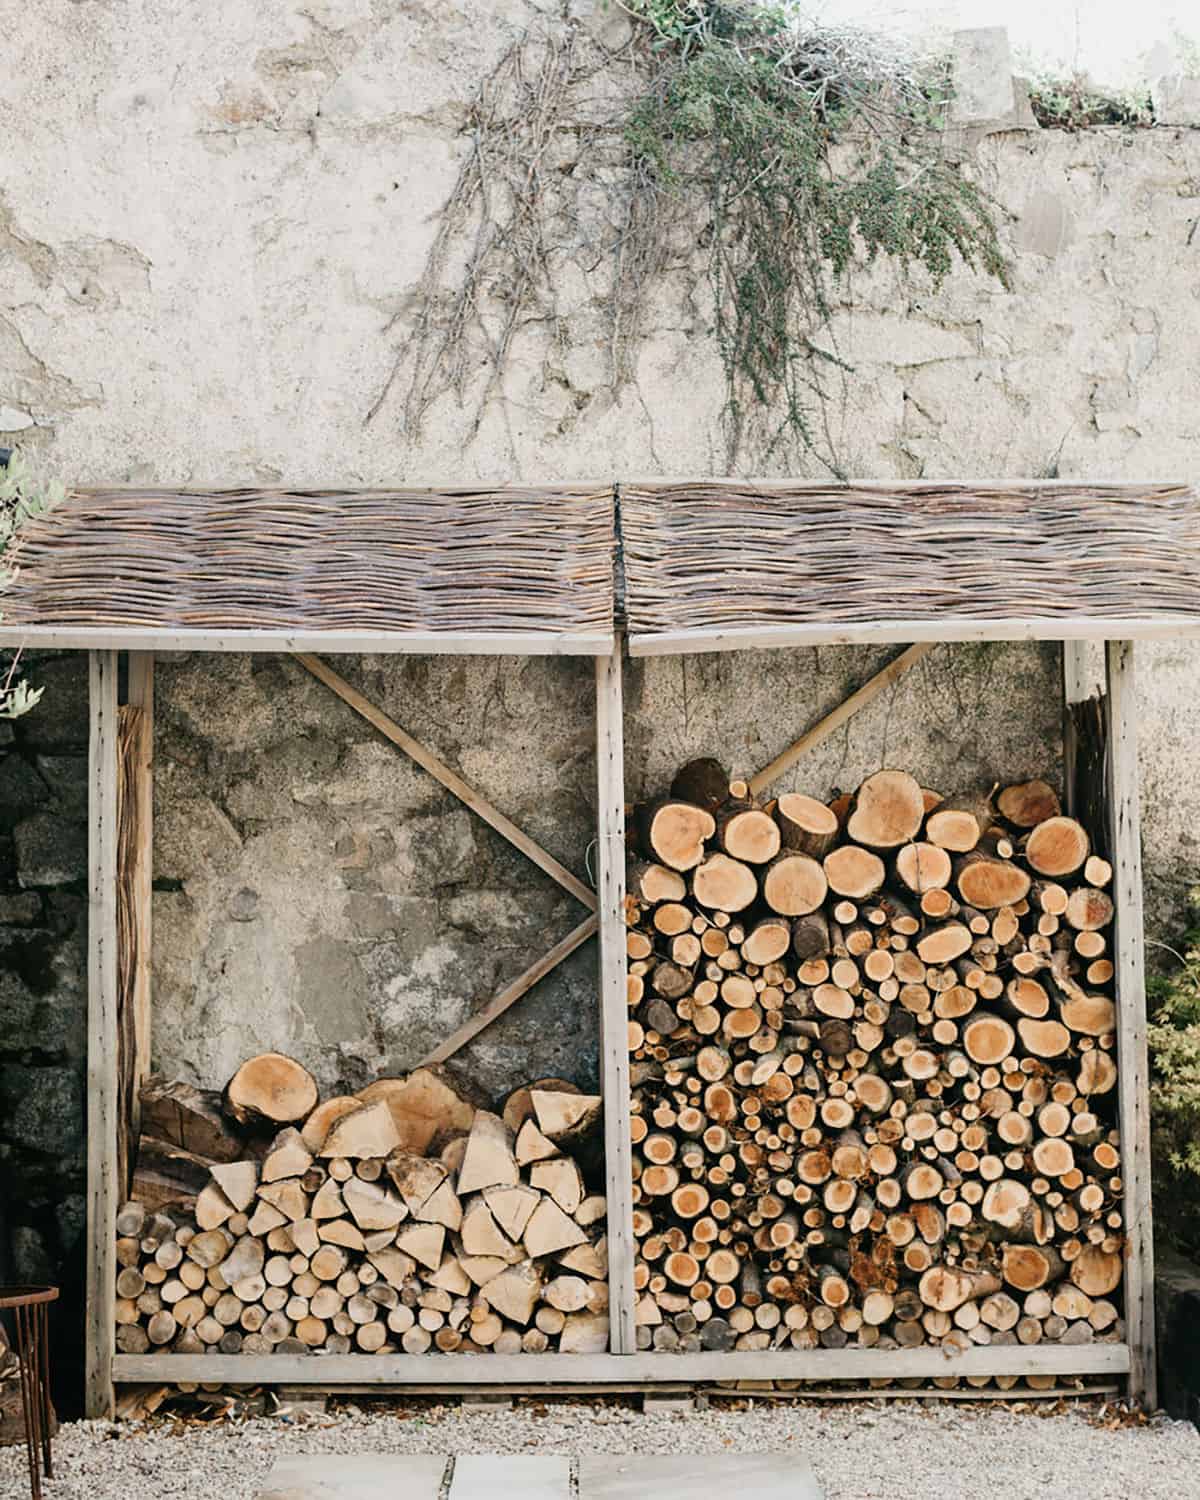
x,y
104,1368
895,632
1133,1069
328,642
103,1189
1134,1358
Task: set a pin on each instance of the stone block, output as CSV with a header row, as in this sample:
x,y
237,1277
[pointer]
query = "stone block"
x,y
1045,226
45,1110
521,1476
22,790
42,991
60,720
355,1476
67,778
983,75
20,908
51,850
1176,100
766,1476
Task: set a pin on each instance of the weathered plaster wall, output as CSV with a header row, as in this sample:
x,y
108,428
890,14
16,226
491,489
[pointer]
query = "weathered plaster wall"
x,y
212,223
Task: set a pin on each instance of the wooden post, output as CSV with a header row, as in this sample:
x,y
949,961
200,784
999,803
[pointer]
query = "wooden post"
x,y
1133,1080
614,1009
1077,688
140,695
102,1034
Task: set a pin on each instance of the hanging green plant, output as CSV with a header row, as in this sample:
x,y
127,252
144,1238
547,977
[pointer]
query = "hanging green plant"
x,y
789,152
811,151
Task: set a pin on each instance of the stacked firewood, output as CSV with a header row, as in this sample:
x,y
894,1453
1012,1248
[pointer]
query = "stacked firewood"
x,y
872,1070
402,1219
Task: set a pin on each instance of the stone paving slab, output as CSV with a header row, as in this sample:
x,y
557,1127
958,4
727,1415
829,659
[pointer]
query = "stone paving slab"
x,y
763,1476
530,1476
522,1476
358,1476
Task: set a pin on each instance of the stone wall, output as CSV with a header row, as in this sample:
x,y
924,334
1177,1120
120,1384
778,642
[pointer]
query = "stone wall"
x,y
211,228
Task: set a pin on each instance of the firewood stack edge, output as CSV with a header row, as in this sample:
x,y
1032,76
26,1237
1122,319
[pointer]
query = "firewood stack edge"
x,y
872,1069
405,1218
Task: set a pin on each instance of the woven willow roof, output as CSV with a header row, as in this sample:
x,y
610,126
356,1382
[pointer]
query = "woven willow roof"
x,y
712,565
719,565
529,570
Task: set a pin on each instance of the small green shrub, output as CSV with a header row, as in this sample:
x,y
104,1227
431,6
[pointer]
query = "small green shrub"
x,y
1174,1036
22,496
1075,104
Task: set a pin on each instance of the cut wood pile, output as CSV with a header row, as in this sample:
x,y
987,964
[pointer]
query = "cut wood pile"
x,y
405,1218
872,1069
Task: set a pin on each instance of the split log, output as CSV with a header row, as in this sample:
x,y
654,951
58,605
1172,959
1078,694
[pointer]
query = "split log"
x,y
428,1107
189,1118
368,1131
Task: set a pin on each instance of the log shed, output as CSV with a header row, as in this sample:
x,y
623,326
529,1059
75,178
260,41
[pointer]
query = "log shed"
x,y
717,565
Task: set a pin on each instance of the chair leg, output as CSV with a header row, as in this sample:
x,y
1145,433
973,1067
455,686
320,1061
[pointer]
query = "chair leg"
x,y
44,1370
26,1354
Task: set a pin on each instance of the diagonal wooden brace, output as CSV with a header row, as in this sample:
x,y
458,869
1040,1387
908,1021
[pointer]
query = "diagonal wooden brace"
x,y
512,992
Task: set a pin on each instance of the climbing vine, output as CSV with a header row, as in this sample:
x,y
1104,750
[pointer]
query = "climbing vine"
x,y
782,153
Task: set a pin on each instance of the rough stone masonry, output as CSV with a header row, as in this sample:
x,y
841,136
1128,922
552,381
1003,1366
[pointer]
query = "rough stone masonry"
x,y
211,226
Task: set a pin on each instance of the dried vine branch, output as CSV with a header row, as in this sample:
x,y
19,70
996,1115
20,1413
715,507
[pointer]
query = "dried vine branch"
x,y
787,153
498,221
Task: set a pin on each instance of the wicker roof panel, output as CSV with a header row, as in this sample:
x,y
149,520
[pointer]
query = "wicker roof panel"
x,y
453,562
753,563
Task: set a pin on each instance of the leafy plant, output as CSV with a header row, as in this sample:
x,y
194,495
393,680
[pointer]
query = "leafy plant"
x,y
1174,1038
809,151
22,496
1074,103
787,152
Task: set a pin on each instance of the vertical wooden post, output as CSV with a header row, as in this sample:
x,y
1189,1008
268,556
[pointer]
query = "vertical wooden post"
x,y
140,695
614,1009
1076,688
102,1034
1133,1080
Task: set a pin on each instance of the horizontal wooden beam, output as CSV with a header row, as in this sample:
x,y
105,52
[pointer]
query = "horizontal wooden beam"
x,y
331,642
451,780
512,992
581,1369
884,486
897,632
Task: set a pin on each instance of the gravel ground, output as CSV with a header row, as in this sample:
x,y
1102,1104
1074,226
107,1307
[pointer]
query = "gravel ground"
x,y
859,1450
